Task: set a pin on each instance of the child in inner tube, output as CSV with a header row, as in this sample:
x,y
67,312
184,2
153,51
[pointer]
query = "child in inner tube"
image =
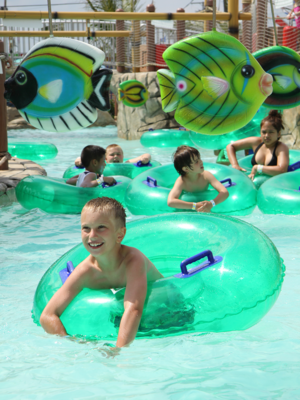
x,y
271,157
193,178
114,154
93,160
110,264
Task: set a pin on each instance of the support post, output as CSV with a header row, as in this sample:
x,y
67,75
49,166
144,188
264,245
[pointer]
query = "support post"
x,y
180,26
3,114
135,46
261,23
208,4
120,45
150,41
247,27
233,9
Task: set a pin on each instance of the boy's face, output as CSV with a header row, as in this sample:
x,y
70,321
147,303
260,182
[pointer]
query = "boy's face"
x,y
114,155
100,232
196,166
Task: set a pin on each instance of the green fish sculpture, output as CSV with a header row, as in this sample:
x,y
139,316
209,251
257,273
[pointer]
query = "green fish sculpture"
x,y
59,85
283,64
215,85
133,93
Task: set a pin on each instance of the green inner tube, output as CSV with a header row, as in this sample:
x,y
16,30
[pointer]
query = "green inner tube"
x,y
245,162
232,294
142,199
124,169
32,151
54,196
280,194
166,138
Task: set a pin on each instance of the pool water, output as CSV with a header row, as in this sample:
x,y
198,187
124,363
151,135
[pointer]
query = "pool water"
x,y
259,363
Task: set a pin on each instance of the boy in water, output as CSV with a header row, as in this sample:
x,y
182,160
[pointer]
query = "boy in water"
x,y
114,154
193,178
109,265
93,159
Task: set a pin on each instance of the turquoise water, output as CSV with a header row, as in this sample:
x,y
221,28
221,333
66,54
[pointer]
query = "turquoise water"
x,y
259,363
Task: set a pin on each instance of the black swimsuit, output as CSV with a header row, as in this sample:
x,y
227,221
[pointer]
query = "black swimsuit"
x,y
273,161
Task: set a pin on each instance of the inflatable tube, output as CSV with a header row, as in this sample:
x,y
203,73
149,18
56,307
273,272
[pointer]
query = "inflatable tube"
x,y
232,291
111,169
166,138
54,196
245,162
143,197
220,142
32,151
280,194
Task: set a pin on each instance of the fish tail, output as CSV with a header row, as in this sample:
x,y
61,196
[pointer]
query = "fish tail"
x,y
120,94
100,96
169,94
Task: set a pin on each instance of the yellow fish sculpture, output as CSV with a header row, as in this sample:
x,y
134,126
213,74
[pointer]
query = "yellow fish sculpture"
x,y
133,93
215,85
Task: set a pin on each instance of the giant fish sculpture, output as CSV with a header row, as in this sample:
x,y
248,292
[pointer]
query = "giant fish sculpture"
x,y
215,85
284,66
59,85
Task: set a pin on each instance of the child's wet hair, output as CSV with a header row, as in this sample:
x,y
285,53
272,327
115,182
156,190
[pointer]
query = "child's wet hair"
x,y
109,206
90,153
112,146
275,118
183,157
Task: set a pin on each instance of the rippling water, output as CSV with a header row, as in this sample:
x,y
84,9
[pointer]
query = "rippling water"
x,y
259,363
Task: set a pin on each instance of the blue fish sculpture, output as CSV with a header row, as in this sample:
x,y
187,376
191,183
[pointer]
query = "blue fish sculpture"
x,y
59,85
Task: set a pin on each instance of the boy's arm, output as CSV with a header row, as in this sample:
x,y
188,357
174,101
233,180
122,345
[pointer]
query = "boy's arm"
x,y
145,158
91,180
134,299
49,319
173,198
73,180
206,206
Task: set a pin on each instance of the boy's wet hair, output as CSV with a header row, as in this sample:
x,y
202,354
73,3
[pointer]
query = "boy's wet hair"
x,y
183,157
90,153
113,145
109,206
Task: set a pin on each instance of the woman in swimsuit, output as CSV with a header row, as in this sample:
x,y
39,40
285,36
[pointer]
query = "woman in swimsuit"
x,y
271,157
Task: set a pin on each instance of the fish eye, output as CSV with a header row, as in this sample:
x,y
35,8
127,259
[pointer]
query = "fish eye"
x,y
181,85
21,78
248,71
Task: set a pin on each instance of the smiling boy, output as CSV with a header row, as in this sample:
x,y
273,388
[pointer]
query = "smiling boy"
x,y
193,178
109,265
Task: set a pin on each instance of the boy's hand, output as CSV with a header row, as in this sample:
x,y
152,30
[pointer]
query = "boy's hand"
x,y
109,180
204,206
78,162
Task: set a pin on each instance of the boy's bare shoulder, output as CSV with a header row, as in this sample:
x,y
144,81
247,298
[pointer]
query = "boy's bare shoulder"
x,y
207,175
133,256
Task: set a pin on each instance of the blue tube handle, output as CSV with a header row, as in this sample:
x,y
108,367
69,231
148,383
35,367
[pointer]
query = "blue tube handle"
x,y
150,130
150,179
70,267
227,180
196,257
182,128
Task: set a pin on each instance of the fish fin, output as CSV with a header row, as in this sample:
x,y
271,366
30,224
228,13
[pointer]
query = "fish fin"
x,y
52,90
100,96
78,118
215,87
282,81
168,90
120,94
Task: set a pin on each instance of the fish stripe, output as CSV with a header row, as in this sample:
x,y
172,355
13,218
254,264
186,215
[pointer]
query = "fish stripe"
x,y
68,48
134,101
203,112
186,105
186,52
167,78
26,116
167,86
84,105
183,76
170,92
76,119
218,65
62,58
40,123
53,123
216,48
84,115
216,112
64,122
226,116
184,66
